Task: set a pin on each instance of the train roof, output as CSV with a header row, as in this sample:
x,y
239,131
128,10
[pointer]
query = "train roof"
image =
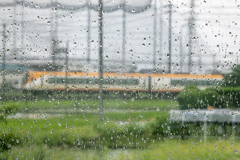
x,y
37,74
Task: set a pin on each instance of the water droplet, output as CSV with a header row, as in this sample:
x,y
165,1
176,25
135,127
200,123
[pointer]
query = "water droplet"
x,y
236,151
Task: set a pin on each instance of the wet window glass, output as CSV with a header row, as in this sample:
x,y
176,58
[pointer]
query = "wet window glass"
x,y
119,79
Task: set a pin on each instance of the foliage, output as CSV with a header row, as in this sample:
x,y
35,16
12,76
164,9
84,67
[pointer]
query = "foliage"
x,y
230,96
118,134
163,127
192,97
210,97
233,78
188,97
7,140
6,110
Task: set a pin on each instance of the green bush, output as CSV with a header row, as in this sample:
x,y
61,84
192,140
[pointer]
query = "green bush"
x,y
7,140
233,78
189,97
210,97
6,110
193,97
59,139
231,96
112,129
162,126
116,135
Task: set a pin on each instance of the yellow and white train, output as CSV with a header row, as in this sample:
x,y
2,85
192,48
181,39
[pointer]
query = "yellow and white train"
x,y
80,81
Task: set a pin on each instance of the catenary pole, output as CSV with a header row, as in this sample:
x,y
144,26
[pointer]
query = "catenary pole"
x,y
22,29
4,60
154,34
191,23
161,32
170,37
89,35
53,38
14,30
100,36
181,50
66,61
124,36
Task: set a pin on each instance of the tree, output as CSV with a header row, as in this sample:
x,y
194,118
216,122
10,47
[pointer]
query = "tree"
x,y
9,139
192,97
233,78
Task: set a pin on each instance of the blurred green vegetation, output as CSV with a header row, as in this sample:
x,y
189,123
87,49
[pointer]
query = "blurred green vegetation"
x,y
232,79
7,140
218,97
166,149
140,131
122,104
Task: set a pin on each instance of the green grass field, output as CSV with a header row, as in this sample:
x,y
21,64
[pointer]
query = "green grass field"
x,y
93,104
168,149
124,133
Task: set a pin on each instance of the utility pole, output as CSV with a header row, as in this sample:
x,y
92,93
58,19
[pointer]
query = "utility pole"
x,y
191,23
89,35
100,34
66,61
14,30
22,35
154,34
213,61
181,51
4,60
54,36
161,31
123,35
170,38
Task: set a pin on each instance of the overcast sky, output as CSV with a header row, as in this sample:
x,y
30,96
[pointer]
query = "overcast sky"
x,y
216,29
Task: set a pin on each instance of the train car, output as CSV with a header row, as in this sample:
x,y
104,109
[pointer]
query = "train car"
x,y
80,81
85,81
177,82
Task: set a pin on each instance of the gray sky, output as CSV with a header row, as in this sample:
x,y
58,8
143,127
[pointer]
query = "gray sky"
x,y
216,27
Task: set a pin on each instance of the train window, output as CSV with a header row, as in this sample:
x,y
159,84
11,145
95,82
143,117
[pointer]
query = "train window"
x,y
133,82
79,80
118,81
126,81
54,80
211,82
93,81
219,83
108,81
175,82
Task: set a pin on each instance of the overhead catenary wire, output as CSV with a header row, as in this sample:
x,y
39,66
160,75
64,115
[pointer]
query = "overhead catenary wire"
x,y
60,6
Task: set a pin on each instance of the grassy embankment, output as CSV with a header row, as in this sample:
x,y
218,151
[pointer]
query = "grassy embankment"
x,y
169,149
82,104
80,131
82,136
